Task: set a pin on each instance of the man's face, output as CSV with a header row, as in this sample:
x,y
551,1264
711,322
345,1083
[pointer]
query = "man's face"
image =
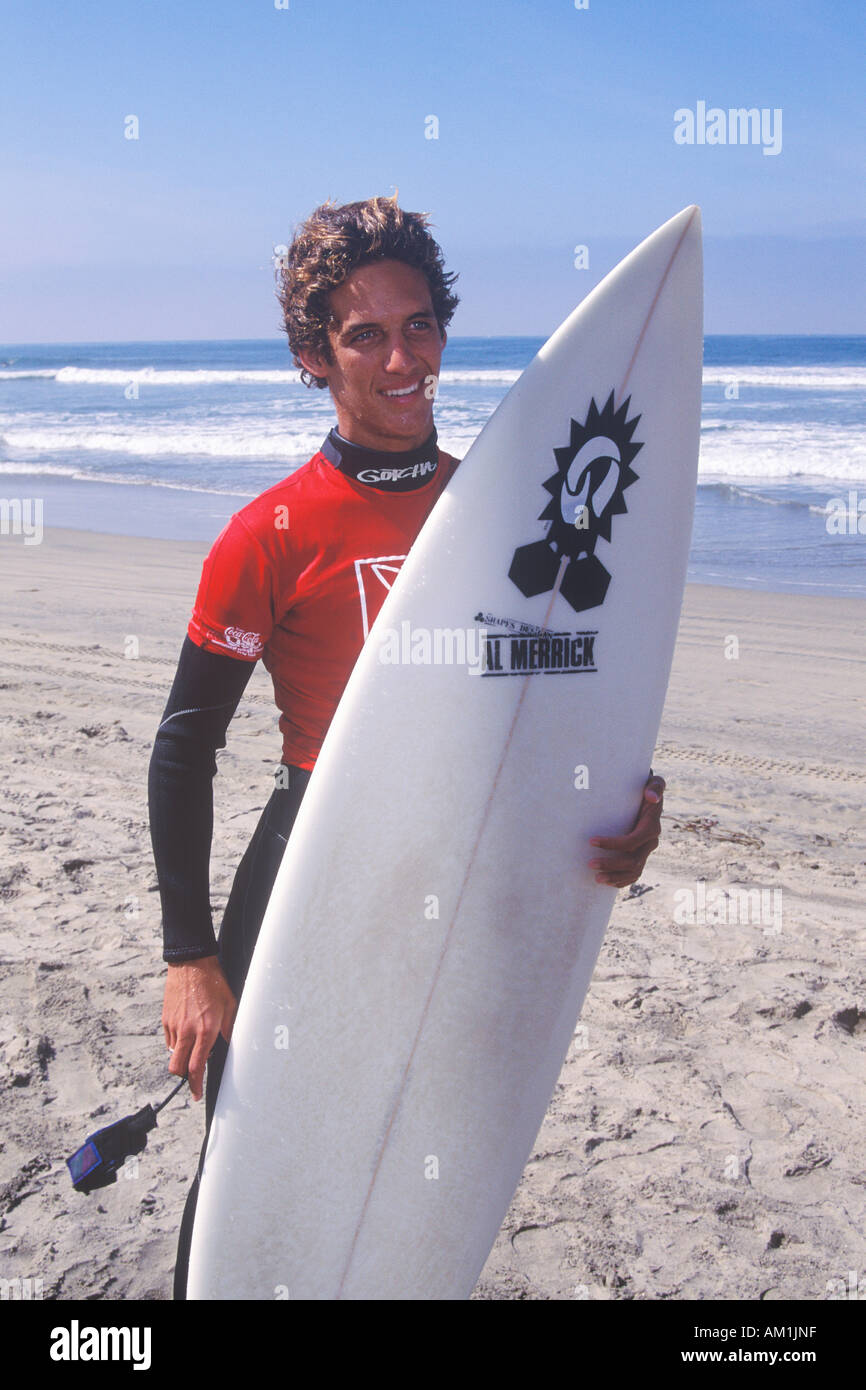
x,y
386,344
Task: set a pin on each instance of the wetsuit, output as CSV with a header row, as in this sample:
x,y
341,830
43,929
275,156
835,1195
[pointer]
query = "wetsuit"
x,y
297,578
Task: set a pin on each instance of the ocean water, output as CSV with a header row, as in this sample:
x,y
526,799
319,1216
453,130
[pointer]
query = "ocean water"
x,y
168,439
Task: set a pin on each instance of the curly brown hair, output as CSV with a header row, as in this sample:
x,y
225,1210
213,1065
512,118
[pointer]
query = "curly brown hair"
x,y
334,241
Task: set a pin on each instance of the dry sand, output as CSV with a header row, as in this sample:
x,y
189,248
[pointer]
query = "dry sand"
x,y
705,1139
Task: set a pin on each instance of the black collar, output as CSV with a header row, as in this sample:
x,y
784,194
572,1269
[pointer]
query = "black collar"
x,y
385,472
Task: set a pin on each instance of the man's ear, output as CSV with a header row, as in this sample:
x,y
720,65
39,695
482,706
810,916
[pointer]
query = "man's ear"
x,y
313,362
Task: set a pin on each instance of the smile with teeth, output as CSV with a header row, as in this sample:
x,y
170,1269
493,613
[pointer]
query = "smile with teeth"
x,y
404,391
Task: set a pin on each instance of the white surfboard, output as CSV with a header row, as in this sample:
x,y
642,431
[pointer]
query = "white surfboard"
x,y
434,925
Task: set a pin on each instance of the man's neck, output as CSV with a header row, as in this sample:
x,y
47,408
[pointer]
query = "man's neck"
x,y
384,470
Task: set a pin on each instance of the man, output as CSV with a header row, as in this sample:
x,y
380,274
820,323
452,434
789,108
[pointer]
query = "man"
x,y
366,302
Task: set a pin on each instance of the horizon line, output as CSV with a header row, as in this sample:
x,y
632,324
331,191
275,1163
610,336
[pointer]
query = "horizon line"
x,y
455,337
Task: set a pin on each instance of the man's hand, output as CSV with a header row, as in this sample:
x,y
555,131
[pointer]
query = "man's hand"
x,y
630,852
198,1006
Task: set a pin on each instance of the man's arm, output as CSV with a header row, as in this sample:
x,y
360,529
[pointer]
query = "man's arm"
x,y
198,1001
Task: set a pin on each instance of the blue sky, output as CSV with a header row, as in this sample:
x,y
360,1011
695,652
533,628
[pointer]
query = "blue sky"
x,y
555,129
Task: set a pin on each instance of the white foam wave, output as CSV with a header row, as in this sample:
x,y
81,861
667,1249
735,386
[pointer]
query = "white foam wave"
x,y
780,452
24,374
825,378
485,376
244,441
207,376
751,495
789,378
159,376
52,470
739,450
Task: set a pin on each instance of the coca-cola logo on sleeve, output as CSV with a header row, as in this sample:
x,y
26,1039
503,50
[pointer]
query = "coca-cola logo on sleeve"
x,y
247,643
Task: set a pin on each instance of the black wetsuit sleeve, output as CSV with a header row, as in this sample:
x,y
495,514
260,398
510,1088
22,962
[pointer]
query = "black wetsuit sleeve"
x,y
206,691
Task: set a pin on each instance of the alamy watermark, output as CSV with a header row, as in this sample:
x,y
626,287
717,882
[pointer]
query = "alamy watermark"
x,y
438,646
846,517
701,906
22,516
21,1289
738,125
852,1287
77,1343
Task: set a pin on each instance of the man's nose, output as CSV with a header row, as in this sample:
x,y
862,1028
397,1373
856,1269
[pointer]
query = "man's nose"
x,y
399,356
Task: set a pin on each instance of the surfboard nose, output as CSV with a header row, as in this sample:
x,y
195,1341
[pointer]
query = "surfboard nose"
x,y
687,221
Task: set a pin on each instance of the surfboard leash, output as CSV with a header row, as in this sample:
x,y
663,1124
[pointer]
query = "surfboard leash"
x,y
96,1163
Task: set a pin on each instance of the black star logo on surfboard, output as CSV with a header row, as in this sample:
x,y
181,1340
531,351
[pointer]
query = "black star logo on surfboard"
x,y
586,493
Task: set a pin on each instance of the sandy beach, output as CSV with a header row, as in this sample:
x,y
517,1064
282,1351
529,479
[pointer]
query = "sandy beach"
x,y
705,1139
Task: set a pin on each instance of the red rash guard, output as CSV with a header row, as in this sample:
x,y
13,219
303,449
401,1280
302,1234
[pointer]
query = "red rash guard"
x,y
298,575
